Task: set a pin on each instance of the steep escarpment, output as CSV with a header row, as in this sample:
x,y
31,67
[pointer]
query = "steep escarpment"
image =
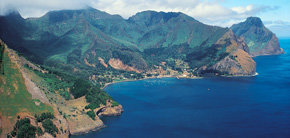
x,y
118,64
236,60
29,91
15,96
260,40
239,63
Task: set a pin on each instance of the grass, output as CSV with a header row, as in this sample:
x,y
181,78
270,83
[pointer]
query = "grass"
x,y
52,83
126,43
59,57
91,114
14,97
114,103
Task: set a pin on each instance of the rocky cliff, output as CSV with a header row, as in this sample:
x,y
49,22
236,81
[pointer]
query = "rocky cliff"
x,y
238,61
261,40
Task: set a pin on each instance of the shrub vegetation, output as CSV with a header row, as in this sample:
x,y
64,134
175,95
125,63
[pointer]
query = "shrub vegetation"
x,y
49,127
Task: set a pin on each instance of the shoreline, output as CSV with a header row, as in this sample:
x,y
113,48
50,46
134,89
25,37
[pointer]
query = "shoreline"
x,y
147,78
177,77
158,77
96,129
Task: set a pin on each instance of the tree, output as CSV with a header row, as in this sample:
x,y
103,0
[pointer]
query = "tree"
x,y
49,127
80,88
39,131
21,122
26,131
91,114
44,116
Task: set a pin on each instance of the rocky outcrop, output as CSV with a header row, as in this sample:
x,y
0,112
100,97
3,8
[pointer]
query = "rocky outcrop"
x,y
83,124
62,124
237,63
87,63
78,121
119,65
261,41
110,111
102,62
272,48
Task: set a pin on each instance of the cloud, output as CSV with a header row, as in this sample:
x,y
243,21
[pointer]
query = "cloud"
x,y
281,28
36,8
210,12
241,10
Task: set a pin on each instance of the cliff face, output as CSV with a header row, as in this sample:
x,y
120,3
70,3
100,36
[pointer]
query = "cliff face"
x,y
261,41
78,121
272,47
237,63
119,65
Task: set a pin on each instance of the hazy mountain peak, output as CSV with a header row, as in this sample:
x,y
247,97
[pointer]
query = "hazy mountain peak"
x,y
254,21
153,17
89,13
14,14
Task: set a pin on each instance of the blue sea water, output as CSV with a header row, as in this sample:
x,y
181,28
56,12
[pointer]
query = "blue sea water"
x,y
256,106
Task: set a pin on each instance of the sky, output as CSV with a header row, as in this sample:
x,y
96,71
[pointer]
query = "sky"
x,y
274,13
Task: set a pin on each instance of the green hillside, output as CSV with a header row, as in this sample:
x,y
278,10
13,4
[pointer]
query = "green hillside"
x,y
68,97
96,46
14,97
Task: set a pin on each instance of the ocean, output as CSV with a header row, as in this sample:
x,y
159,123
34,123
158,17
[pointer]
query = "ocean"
x,y
257,106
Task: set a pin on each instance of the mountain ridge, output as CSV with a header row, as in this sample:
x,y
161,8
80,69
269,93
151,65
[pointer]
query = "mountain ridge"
x,y
261,40
144,31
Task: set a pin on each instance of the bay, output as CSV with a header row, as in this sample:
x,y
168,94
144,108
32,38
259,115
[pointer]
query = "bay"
x,y
257,106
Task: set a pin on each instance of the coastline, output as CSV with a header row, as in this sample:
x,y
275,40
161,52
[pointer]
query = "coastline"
x,y
174,76
253,75
97,128
147,78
